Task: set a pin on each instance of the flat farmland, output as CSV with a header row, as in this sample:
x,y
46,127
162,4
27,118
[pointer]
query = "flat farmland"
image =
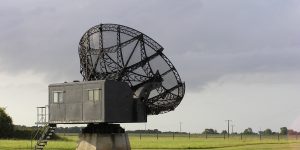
x,y
166,141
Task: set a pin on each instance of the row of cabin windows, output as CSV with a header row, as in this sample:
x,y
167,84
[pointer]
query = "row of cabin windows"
x,y
93,95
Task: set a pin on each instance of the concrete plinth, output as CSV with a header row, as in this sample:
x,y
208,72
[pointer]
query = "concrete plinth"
x,y
100,141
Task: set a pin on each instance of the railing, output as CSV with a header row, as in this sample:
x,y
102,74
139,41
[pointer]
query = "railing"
x,y
41,123
42,115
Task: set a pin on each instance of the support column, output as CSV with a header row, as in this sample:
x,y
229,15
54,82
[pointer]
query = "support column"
x,y
103,137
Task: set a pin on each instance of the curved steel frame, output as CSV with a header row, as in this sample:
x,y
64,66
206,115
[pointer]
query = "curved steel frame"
x,y
104,67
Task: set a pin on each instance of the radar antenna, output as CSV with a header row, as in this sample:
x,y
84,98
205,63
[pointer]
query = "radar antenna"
x,y
117,52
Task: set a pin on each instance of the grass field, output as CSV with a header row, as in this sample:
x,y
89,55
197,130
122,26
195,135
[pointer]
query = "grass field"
x,y
179,142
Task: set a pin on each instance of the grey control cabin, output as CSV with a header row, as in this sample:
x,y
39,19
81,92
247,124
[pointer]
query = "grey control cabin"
x,y
94,102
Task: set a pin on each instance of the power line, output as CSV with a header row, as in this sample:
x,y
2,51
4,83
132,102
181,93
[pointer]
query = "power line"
x,y
232,128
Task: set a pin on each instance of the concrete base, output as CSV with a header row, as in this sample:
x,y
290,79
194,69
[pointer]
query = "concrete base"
x,y
101,141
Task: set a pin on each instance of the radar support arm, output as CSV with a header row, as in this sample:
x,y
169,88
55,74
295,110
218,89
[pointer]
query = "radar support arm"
x,y
143,91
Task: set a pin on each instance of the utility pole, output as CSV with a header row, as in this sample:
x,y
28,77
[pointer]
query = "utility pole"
x,y
228,127
180,127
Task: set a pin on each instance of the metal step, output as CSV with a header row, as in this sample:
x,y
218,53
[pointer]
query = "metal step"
x,y
39,147
46,134
42,144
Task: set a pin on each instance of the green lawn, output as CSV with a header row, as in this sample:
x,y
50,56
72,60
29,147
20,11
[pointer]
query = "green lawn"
x,y
179,142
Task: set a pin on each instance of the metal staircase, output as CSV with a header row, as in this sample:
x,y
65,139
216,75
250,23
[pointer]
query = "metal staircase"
x,y
43,135
44,129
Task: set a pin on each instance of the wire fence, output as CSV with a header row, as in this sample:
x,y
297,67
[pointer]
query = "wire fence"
x,y
157,136
176,135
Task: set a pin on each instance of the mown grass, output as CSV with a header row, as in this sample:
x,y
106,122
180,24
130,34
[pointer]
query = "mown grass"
x,y
212,143
167,142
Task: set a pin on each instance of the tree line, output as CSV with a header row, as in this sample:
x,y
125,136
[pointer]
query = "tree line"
x,y
249,131
9,130
154,131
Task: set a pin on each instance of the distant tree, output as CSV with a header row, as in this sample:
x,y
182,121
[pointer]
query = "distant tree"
x,y
248,131
284,131
156,131
268,132
210,131
6,124
224,132
292,132
151,131
68,130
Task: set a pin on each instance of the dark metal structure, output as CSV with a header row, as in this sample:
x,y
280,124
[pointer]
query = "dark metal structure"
x,y
126,77
117,52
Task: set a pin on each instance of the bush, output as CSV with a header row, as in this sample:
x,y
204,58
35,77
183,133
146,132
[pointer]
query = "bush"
x,y
6,124
23,134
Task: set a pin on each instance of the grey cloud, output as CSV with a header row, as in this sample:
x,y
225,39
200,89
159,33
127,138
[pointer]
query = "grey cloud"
x,y
199,69
204,39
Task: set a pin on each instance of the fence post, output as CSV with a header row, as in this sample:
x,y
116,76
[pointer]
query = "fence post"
x,y
157,135
173,135
241,136
296,136
140,136
278,136
224,136
189,135
259,136
205,135
31,139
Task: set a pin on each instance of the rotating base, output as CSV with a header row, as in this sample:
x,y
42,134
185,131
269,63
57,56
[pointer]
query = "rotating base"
x,y
103,137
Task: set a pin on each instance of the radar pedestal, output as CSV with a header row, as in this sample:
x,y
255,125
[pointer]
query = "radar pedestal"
x,y
103,136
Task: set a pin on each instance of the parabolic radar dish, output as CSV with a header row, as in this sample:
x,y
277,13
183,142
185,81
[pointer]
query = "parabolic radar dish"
x,y
117,52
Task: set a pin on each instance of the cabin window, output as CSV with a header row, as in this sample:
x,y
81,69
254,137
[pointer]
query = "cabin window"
x,y
58,97
91,95
94,94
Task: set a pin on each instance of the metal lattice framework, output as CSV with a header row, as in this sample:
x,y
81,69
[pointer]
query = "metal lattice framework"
x,y
116,52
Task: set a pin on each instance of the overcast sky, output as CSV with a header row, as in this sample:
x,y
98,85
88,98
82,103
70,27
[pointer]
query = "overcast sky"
x,y
239,58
